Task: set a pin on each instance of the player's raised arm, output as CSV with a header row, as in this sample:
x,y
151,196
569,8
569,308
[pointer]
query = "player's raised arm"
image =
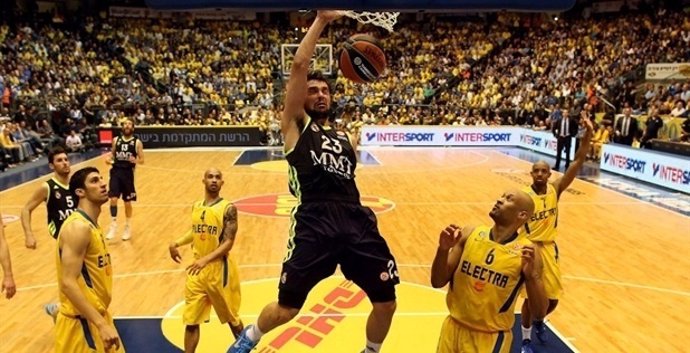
x,y
450,245
562,183
296,91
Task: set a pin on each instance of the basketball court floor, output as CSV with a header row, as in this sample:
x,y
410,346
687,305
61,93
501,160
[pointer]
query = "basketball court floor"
x,y
624,253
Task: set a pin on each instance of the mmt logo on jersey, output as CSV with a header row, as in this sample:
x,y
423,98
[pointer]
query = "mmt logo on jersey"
x,y
623,162
672,174
530,140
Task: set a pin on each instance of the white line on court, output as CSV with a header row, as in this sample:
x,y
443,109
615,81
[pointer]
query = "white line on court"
x,y
441,203
574,278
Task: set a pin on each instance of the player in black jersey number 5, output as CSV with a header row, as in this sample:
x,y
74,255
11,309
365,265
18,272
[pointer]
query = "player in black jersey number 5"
x,y
60,203
329,224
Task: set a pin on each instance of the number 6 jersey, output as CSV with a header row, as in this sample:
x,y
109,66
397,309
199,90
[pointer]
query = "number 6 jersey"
x,y
485,285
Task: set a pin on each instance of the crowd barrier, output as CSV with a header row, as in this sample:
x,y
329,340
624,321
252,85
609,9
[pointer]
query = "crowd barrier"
x,y
657,168
539,141
188,136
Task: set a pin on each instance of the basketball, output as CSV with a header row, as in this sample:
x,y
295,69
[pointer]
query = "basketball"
x,y
362,59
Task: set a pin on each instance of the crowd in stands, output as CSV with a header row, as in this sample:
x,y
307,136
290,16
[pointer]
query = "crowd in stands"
x,y
60,81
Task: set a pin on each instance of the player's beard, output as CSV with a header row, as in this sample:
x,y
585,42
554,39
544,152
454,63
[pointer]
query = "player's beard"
x,y
211,192
320,116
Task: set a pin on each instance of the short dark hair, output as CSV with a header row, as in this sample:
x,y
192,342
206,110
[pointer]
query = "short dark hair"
x,y
78,179
319,76
54,152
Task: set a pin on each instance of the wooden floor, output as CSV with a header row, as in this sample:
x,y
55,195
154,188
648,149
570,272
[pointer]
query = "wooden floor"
x,y
625,262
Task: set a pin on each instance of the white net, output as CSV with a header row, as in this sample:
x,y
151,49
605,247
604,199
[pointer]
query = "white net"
x,y
382,19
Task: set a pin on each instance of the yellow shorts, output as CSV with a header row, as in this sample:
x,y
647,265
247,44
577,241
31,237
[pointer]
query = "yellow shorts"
x,y
456,338
552,271
77,335
217,286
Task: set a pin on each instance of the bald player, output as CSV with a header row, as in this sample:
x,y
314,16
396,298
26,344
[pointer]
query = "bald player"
x,y
486,267
212,280
541,230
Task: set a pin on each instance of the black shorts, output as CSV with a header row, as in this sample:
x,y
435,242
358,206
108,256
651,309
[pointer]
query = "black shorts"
x,y
325,234
122,184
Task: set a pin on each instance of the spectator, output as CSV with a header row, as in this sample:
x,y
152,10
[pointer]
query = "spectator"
x,y
73,142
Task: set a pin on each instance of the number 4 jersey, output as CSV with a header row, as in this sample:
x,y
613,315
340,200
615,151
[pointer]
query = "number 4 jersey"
x,y
60,204
322,165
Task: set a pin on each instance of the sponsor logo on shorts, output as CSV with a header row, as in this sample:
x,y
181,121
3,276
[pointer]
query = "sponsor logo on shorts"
x,y
281,205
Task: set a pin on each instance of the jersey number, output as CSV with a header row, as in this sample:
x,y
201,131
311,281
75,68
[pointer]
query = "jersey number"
x,y
326,145
125,147
203,215
70,202
490,257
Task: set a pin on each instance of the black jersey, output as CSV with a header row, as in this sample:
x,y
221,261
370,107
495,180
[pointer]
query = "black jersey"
x,y
123,150
60,204
322,165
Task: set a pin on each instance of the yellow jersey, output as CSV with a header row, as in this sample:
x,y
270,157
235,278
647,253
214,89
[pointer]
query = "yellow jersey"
x,y
96,279
207,226
542,226
486,283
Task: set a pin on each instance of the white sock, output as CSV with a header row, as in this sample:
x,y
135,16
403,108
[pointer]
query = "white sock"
x,y
127,222
372,347
254,333
526,333
114,221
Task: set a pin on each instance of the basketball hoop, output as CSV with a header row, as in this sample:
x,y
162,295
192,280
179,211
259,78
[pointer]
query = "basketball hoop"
x,y
382,19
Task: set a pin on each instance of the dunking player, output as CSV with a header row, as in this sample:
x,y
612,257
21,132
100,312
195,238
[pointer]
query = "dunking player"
x,y
60,203
213,278
126,153
85,273
8,286
486,267
541,229
329,224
